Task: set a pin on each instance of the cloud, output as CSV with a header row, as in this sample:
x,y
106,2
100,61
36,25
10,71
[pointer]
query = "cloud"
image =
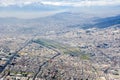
x,y
72,3
83,3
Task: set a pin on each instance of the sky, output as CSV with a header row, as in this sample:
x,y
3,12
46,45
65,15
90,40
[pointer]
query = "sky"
x,y
74,3
41,8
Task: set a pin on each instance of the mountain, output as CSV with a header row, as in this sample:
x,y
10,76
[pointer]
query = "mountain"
x,y
59,22
107,22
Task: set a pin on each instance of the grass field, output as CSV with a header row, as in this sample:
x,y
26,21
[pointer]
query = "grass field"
x,y
63,48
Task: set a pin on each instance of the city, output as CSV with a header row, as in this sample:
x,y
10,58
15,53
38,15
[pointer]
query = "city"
x,y
71,41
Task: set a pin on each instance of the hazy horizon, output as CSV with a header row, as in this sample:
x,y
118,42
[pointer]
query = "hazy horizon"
x,y
28,9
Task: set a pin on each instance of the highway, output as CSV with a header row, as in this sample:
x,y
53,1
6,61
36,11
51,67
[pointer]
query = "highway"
x,y
14,54
44,63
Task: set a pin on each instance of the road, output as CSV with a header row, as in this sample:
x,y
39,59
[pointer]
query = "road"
x,y
44,63
14,54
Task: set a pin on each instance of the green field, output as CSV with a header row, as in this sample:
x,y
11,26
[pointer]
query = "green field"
x,y
63,48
